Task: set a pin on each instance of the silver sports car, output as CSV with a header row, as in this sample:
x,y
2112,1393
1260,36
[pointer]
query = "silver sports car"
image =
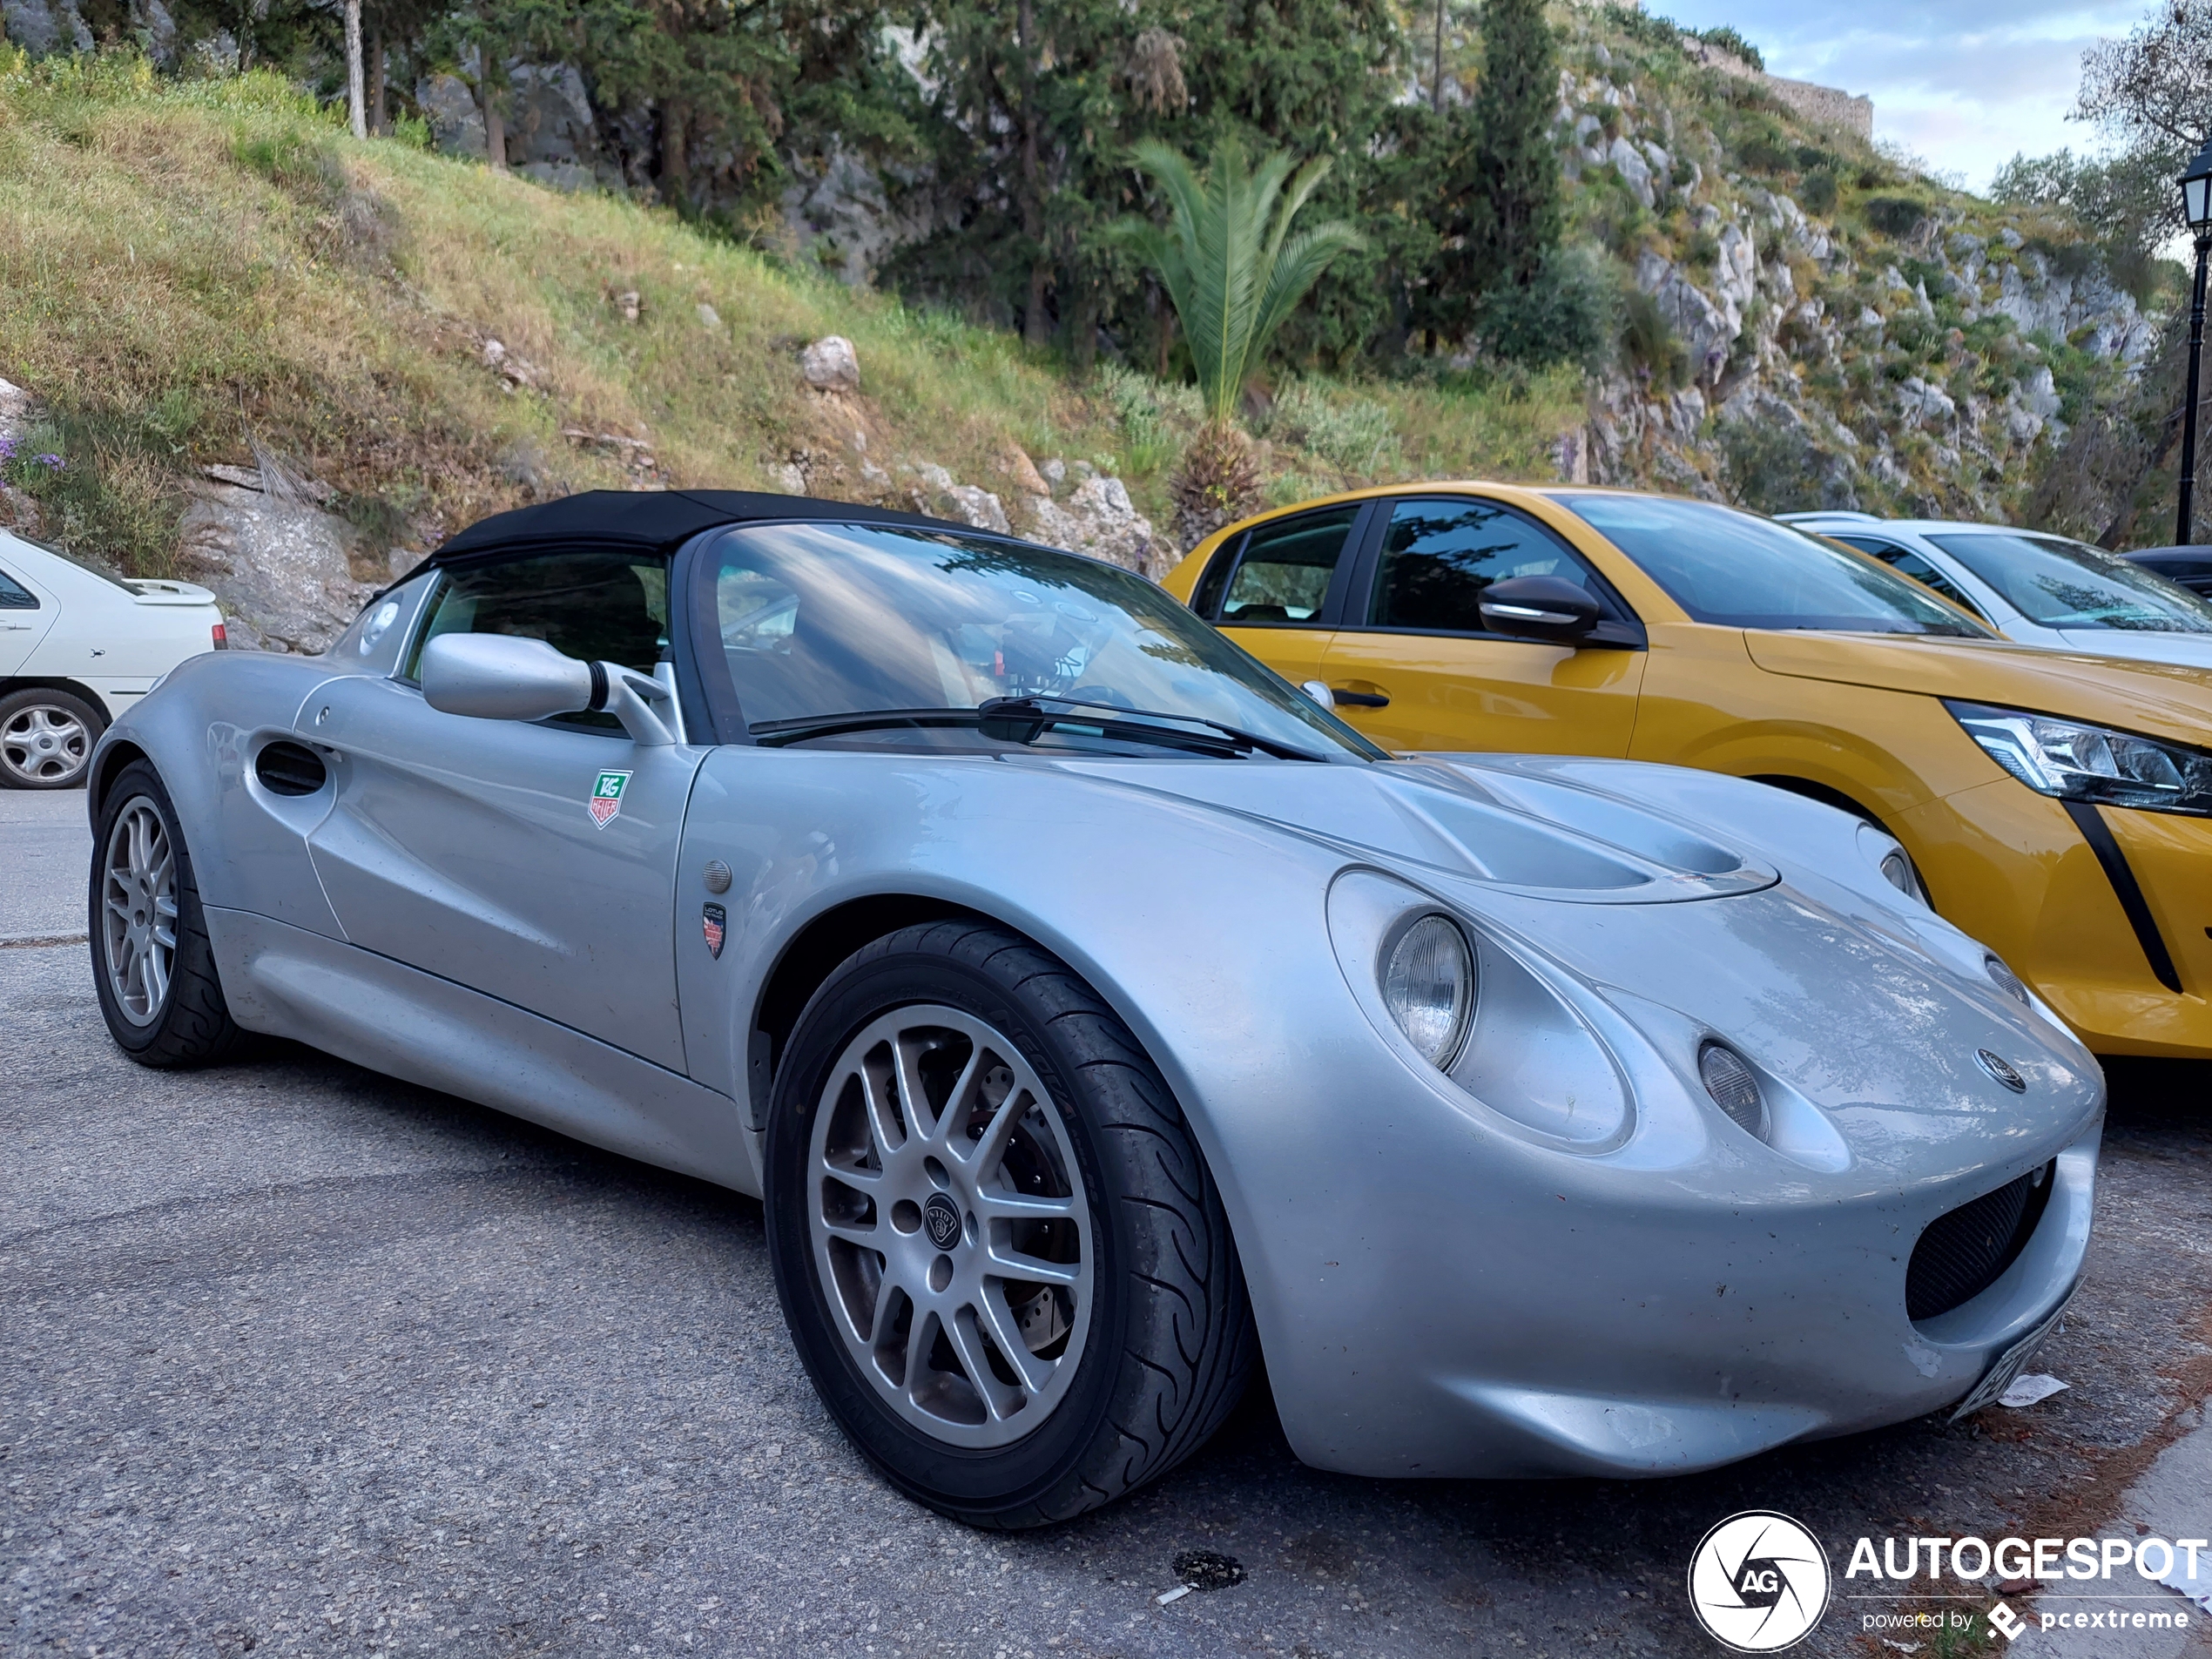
x,y
1093,1013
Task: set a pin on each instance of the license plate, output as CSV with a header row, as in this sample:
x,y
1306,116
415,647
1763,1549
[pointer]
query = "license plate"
x,y
2009,1364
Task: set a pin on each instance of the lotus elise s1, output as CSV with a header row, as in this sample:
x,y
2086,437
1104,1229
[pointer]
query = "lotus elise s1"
x,y
1093,1012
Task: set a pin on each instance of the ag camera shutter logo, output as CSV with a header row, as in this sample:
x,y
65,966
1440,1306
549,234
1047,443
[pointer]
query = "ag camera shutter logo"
x,y
1758,1582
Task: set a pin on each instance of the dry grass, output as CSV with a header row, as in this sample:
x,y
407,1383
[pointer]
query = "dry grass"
x,y
187,267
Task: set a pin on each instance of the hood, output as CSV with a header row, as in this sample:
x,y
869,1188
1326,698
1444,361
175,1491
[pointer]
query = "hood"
x,y
1539,836
2192,651
2159,699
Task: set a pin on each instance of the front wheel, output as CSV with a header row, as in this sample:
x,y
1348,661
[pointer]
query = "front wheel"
x,y
1002,1258
152,966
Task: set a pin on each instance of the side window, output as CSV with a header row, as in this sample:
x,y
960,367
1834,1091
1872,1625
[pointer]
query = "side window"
x,y
597,607
1905,561
1438,556
1282,579
14,595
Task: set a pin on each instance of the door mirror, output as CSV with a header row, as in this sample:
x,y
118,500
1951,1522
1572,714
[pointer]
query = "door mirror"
x,y
1540,607
498,677
1319,691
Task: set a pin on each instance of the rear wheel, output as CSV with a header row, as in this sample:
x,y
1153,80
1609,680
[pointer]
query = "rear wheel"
x,y
152,966
1002,1258
46,738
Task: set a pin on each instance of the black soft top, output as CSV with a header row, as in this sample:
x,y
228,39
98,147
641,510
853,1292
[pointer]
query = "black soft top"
x,y
661,520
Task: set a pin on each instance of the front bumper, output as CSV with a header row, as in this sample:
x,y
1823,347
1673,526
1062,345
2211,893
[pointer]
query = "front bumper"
x,y
2013,869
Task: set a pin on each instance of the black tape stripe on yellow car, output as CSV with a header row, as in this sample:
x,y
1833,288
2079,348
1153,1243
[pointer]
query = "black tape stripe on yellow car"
x,y
2126,888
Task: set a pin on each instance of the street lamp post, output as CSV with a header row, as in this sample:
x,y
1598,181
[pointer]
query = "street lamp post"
x,y
2196,207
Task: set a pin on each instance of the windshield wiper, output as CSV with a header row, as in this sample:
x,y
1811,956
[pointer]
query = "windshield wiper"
x,y
1022,719
1009,717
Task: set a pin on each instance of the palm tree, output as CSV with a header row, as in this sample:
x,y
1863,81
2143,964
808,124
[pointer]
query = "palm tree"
x,y
1234,271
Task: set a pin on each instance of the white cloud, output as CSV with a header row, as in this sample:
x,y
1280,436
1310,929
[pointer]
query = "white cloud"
x,y
1965,84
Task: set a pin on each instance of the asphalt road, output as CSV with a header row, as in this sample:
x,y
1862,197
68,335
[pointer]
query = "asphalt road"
x,y
297,1359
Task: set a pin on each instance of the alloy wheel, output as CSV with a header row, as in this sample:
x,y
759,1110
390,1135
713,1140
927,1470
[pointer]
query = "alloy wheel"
x,y
950,1226
139,911
43,745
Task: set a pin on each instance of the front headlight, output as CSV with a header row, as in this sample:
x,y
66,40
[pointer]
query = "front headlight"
x,y
1428,985
2070,761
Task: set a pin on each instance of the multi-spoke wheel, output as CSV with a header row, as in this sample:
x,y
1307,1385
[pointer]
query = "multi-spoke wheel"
x,y
151,963
999,1250
951,1226
137,879
46,738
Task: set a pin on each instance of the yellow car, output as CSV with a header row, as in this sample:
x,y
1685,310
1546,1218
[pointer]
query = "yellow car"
x,y
2056,806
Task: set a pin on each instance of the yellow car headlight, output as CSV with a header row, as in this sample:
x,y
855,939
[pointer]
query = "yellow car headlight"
x,y
2070,761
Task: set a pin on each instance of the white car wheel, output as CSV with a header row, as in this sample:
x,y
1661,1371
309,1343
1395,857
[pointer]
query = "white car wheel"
x,y
46,738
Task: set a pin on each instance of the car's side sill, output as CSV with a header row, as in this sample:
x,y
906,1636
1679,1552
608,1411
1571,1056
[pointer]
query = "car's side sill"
x,y
398,1020
2126,888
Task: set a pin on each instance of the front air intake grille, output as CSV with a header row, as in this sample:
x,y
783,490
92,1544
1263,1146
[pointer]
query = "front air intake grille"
x,y
1963,1251
289,769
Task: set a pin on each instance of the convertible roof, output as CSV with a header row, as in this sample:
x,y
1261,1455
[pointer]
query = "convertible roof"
x,y
660,519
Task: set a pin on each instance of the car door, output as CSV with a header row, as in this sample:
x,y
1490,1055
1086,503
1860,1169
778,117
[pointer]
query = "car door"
x,y
532,861
1428,673
1277,589
25,617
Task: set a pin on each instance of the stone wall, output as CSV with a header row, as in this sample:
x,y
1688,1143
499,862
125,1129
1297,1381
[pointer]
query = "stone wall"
x,y
1830,106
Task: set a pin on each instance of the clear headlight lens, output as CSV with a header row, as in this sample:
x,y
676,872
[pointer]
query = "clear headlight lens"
x,y
2070,761
1428,985
1734,1087
2005,980
1897,870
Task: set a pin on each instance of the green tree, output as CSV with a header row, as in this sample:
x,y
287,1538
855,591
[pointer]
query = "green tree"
x,y
1501,213
1234,270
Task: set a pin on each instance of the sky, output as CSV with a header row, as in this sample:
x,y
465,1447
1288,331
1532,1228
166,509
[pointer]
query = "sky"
x,y
1964,83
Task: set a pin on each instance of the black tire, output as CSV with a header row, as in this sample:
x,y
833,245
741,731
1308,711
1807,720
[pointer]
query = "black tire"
x,y
191,1024
32,722
1170,1344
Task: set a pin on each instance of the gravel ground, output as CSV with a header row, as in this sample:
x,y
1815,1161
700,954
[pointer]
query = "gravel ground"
x,y
295,1359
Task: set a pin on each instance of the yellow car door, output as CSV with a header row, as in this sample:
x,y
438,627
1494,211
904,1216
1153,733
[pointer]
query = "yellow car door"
x,y
1277,588
1416,666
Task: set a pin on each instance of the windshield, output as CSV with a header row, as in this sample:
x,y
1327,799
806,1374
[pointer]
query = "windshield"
x,y
820,620
2067,584
1741,571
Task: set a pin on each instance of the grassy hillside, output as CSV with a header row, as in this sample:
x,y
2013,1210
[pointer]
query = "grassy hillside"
x,y
191,269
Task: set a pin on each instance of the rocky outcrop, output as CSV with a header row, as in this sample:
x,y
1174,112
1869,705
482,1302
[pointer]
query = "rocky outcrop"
x,y
290,575
830,364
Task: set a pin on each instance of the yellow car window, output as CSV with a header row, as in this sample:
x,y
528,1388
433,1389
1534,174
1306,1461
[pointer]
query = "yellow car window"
x,y
1438,556
1283,574
1741,571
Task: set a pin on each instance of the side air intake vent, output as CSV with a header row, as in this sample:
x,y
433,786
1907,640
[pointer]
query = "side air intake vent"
x,y
1962,1252
290,769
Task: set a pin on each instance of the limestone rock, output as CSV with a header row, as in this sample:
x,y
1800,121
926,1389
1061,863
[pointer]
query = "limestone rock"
x,y
830,364
969,504
1098,518
284,571
710,318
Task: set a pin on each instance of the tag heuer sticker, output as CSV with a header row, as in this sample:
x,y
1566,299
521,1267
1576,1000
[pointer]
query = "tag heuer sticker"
x,y
606,797
715,921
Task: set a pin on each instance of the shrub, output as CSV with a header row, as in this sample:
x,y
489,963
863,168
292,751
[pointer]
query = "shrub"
x,y
1816,194
1895,215
1774,469
1570,314
1351,433
1651,344
1728,41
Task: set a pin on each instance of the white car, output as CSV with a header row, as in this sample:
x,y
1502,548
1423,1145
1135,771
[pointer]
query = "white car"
x,y
2035,588
76,649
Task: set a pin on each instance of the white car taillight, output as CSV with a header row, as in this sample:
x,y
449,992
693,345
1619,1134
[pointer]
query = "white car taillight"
x,y
222,641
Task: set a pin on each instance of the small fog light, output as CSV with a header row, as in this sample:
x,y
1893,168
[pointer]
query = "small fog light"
x,y
1428,986
1734,1087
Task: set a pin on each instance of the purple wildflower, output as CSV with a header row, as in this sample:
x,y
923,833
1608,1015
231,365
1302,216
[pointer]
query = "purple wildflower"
x,y
51,462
